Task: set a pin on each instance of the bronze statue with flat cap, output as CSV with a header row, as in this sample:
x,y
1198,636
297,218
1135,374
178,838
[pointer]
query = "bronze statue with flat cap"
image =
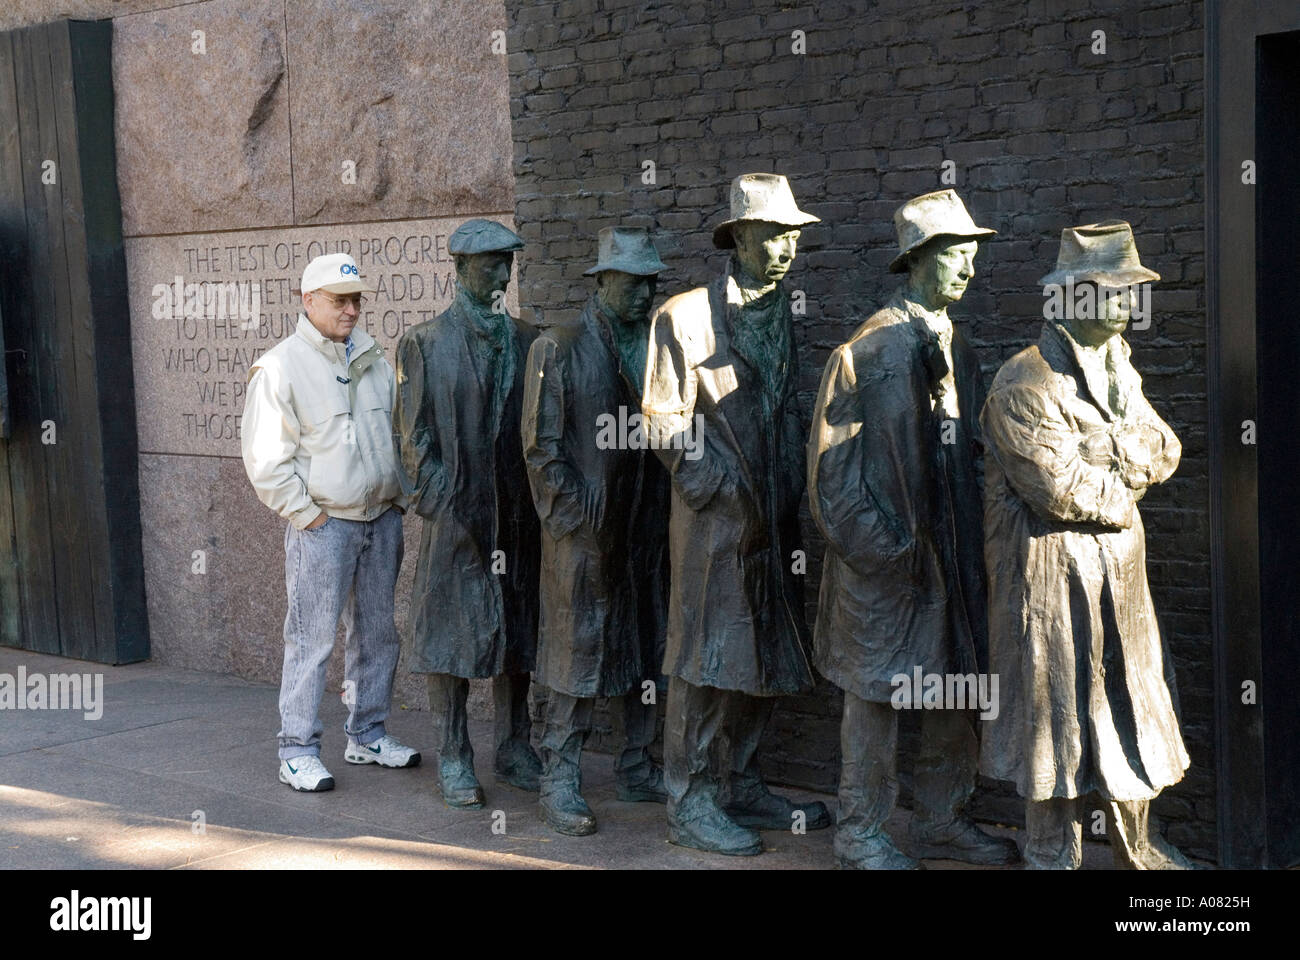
x,y
460,386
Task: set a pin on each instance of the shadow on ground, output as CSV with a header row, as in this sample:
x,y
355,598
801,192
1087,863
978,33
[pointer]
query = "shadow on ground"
x,y
180,772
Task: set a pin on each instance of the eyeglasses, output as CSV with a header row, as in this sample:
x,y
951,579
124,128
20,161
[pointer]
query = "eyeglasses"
x,y
337,302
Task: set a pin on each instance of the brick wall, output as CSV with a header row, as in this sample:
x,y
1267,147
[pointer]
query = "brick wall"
x,y
1044,134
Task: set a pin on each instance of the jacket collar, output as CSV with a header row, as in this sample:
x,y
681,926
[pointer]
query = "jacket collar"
x,y
601,322
732,292
363,344
929,324
730,301
1063,352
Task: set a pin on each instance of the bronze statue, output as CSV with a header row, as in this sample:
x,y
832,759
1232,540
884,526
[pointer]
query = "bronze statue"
x,y
1073,445
601,497
893,486
460,385
721,410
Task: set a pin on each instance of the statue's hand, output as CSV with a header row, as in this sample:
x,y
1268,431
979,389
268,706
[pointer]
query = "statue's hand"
x,y
1137,445
593,507
912,561
1097,449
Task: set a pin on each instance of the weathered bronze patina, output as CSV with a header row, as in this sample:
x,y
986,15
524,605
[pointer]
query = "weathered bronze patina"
x,y
460,386
893,485
1073,446
602,498
720,405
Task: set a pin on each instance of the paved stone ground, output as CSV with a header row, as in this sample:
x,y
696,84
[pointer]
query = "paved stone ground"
x,y
122,791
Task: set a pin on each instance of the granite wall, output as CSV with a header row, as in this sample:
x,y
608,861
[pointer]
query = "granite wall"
x,y
1043,131
251,136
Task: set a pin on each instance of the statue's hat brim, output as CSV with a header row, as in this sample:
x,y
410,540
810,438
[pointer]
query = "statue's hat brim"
x,y
1104,253
483,236
628,250
929,216
760,197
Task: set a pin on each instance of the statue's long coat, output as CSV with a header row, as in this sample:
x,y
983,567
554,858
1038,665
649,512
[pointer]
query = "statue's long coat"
x,y
603,587
903,580
474,609
1085,698
735,614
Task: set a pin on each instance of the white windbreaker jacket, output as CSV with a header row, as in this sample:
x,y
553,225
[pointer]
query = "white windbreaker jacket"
x,y
317,433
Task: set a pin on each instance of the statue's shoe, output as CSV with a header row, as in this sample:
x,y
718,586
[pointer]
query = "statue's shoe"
x,y
518,765
768,811
875,853
714,832
649,790
963,841
460,788
566,812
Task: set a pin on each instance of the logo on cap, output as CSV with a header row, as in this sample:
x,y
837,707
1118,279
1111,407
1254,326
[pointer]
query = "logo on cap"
x,y
347,268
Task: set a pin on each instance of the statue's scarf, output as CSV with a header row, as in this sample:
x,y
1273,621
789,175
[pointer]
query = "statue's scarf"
x,y
761,334
629,341
496,342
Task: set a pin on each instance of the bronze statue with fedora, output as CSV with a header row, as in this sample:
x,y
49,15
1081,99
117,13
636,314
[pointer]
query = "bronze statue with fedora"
x,y
1089,705
460,387
893,486
601,497
721,411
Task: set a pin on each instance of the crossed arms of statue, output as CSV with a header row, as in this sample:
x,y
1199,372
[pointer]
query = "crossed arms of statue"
x,y
1069,473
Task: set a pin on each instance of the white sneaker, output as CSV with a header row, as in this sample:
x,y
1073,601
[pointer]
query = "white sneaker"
x,y
306,773
385,751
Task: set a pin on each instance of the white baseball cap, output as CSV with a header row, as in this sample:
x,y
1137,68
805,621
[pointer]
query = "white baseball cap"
x,y
335,273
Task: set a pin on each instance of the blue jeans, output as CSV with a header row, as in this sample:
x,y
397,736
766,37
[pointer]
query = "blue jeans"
x,y
344,568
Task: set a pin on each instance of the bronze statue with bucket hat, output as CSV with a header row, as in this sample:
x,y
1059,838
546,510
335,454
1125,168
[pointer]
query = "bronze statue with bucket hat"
x,y
602,501
722,369
1088,700
460,387
893,487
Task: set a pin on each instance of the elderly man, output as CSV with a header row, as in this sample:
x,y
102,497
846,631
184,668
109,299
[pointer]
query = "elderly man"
x,y
1073,445
892,481
601,502
721,409
318,449
460,392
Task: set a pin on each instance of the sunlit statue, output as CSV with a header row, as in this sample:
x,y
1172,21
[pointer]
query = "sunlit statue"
x,y
721,408
893,485
1073,446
